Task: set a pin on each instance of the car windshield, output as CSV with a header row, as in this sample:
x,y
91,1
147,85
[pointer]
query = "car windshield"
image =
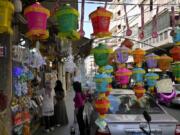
x,y
128,104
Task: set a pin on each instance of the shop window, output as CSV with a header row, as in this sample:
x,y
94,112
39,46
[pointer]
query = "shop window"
x,y
161,37
165,34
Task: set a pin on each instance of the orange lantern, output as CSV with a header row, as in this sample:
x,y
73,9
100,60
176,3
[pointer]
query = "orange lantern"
x,y
139,56
37,17
175,52
101,20
139,91
164,62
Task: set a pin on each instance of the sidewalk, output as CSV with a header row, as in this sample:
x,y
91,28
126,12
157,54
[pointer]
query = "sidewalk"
x,y
65,130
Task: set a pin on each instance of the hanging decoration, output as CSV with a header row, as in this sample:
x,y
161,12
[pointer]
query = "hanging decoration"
x,y
67,19
81,31
100,19
138,75
7,9
139,91
176,36
151,60
164,62
106,69
141,34
175,52
122,76
37,16
128,31
155,24
151,79
172,33
122,54
138,55
128,43
176,71
101,54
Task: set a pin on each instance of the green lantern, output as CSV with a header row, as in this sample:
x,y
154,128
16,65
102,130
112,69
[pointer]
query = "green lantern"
x,y
67,18
101,54
176,71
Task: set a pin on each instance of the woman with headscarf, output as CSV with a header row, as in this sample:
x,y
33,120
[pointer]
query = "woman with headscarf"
x,y
60,107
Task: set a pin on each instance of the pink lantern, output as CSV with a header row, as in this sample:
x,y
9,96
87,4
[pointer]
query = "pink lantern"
x,y
37,18
122,75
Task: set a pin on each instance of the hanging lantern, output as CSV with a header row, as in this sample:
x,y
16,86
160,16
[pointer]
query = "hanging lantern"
x,y
109,89
106,69
164,62
101,54
151,79
176,71
17,5
7,10
138,75
67,18
122,76
151,60
138,55
37,17
122,54
139,91
128,43
102,81
102,104
176,37
175,52
101,20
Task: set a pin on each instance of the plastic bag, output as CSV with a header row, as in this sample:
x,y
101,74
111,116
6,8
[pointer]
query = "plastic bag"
x,y
87,111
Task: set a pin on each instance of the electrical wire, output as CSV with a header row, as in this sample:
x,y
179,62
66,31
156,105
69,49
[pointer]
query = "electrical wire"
x,y
135,15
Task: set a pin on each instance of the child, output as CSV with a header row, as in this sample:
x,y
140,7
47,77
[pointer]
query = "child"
x,y
48,107
79,101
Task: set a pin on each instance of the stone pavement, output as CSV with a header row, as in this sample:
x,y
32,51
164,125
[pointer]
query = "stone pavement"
x,y
65,130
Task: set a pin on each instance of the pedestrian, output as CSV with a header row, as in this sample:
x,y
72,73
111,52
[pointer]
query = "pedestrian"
x,y
79,101
48,107
60,107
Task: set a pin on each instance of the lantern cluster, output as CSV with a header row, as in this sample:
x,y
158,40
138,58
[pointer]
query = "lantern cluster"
x,y
175,52
103,79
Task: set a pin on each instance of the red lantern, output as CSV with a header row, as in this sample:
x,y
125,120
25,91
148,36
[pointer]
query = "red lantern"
x,y
139,91
37,18
128,43
101,20
175,52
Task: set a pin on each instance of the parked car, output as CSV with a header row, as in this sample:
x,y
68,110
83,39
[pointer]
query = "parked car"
x,y
128,118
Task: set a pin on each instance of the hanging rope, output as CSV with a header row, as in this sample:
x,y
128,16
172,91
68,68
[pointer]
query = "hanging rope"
x,y
128,31
82,33
141,35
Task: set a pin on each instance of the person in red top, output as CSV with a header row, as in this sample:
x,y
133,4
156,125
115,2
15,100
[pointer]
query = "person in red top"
x,y
79,101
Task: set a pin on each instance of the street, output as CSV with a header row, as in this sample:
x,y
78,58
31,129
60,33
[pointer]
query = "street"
x,y
174,110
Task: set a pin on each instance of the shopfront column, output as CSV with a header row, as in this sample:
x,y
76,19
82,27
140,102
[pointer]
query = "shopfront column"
x,y
6,76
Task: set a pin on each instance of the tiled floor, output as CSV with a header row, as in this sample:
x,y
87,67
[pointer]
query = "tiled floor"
x,y
65,130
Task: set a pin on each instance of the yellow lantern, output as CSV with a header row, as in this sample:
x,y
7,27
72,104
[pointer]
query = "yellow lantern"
x,y
6,11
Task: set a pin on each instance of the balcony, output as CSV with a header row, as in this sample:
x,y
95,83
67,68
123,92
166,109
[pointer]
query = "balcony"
x,y
164,39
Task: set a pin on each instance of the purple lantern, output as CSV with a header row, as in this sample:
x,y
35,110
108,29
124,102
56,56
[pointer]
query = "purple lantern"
x,y
152,60
122,54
